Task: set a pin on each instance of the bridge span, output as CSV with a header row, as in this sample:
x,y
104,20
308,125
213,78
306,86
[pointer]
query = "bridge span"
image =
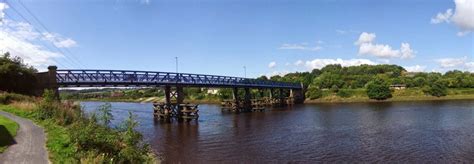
x,y
172,83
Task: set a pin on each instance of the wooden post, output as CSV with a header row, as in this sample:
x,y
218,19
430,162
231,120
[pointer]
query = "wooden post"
x,y
167,95
247,101
280,96
235,96
179,99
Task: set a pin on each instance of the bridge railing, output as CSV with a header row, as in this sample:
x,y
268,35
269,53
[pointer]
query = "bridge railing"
x,y
122,77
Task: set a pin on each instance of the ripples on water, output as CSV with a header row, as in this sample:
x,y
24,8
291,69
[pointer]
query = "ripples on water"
x,y
441,131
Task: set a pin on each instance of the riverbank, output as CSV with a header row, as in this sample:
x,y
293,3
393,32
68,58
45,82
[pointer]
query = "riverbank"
x,y
73,137
411,94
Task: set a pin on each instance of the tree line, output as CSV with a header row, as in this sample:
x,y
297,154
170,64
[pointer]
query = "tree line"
x,y
376,79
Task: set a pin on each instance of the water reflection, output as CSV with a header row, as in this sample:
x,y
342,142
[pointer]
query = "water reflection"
x,y
408,132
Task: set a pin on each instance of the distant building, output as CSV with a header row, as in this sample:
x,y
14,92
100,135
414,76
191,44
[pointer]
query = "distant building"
x,y
212,91
398,86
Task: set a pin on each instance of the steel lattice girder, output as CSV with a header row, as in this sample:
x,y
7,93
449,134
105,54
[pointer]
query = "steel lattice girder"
x,y
145,78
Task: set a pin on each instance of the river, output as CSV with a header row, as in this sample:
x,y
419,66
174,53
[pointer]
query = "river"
x,y
406,132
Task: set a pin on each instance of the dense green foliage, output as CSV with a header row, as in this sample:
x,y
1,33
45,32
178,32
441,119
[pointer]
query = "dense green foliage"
x,y
378,89
336,78
438,89
8,129
15,76
74,137
314,93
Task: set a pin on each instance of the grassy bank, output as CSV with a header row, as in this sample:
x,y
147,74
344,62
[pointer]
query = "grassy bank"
x,y
8,130
73,137
58,143
409,94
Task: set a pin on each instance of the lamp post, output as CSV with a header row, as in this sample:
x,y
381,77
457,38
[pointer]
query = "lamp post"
x,y
176,64
245,71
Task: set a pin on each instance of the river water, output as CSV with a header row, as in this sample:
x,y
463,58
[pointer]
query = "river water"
x,y
406,132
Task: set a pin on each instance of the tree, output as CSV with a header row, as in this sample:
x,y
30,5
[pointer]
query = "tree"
x,y
15,76
314,92
437,89
378,89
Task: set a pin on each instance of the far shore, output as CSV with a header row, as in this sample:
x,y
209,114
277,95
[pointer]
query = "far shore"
x,y
325,100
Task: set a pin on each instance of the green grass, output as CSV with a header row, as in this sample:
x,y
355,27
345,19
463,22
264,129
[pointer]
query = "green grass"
x,y
409,94
60,148
8,129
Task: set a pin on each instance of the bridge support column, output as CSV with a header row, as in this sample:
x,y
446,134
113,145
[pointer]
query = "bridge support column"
x,y
235,98
291,99
168,95
281,97
247,100
179,99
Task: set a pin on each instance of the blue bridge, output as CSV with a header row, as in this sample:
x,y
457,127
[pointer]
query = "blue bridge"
x,y
173,84
108,78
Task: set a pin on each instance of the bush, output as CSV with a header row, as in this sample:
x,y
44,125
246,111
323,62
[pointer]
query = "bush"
x,y
7,98
314,93
118,145
344,93
378,89
438,89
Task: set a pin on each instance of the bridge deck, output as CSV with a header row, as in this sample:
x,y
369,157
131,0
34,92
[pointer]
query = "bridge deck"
x,y
84,78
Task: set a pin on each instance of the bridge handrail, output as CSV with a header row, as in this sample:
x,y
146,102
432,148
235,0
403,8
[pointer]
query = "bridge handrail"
x,y
178,77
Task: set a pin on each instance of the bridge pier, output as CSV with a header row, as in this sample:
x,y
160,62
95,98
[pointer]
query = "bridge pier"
x,y
174,105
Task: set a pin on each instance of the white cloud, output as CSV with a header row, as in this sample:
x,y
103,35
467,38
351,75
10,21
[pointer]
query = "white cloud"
x,y
20,39
320,63
59,41
452,62
443,17
415,68
31,53
272,64
300,46
365,38
470,66
299,63
3,6
463,16
367,47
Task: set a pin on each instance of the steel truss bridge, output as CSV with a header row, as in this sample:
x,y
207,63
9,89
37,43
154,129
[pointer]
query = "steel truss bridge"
x,y
104,78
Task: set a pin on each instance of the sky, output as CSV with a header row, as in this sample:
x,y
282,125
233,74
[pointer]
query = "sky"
x,y
223,36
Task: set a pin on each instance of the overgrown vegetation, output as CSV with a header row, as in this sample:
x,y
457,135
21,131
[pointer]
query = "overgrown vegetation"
x,y
74,137
15,76
335,80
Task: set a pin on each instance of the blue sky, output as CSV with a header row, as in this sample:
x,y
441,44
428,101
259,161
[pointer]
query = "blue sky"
x,y
220,37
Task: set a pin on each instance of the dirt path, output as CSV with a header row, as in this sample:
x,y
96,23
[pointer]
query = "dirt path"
x,y
30,143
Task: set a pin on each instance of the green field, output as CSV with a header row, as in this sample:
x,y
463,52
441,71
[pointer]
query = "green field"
x,y
409,94
8,129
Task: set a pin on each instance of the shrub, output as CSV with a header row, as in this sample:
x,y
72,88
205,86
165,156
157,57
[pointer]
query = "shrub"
x,y
7,98
345,93
438,89
378,89
314,93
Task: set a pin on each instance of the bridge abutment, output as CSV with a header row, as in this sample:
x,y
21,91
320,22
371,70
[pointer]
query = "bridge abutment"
x,y
47,80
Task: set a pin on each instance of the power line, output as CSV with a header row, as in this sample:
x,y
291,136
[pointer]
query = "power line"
x,y
16,39
58,49
47,30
